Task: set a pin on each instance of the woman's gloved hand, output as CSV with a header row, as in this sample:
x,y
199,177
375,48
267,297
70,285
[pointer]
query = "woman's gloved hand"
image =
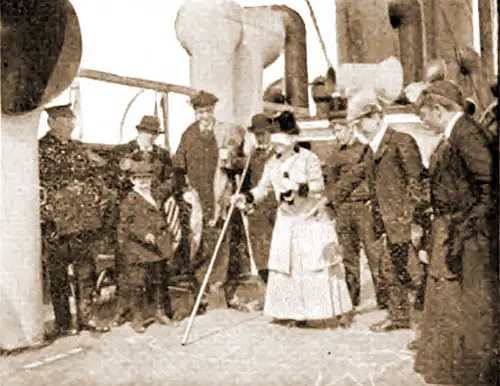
x,y
239,201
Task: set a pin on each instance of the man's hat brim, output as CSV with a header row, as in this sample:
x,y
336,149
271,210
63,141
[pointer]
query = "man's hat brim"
x,y
59,111
149,129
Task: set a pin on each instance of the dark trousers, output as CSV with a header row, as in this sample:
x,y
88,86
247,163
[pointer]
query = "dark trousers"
x,y
143,283
355,226
398,279
232,259
62,252
420,294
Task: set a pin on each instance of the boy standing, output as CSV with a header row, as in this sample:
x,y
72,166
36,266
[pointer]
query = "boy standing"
x,y
146,239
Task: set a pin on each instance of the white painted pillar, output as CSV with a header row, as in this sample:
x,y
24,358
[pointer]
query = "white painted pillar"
x,y
210,31
21,303
262,43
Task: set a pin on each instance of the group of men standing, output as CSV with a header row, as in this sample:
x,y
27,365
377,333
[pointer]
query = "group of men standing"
x,y
209,160
382,195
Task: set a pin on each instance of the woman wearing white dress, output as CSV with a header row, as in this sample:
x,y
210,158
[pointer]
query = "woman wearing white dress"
x,y
306,274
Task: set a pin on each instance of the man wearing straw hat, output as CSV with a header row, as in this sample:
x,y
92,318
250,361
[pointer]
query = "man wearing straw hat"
x,y
211,154
395,185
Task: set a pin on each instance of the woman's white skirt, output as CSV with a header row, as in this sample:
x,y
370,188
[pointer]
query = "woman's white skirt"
x,y
307,295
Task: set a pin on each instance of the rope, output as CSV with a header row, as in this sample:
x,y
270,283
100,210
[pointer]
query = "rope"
x,y
126,112
321,41
156,105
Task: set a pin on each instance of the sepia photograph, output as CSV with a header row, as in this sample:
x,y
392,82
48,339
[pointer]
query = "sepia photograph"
x,y
249,192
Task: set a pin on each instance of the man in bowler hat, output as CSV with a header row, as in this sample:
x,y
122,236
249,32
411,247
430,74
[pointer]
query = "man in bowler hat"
x,y
261,221
142,149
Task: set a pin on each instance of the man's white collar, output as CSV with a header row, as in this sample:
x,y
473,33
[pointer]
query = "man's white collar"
x,y
146,194
451,124
375,143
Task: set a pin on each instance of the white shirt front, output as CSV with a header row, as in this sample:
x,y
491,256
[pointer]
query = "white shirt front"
x,y
451,124
146,194
375,143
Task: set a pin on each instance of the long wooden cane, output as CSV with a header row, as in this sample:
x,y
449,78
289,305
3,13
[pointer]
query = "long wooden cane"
x,y
246,227
216,251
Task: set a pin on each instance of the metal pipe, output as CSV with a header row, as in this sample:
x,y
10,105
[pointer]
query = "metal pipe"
x,y
296,76
406,17
430,25
486,36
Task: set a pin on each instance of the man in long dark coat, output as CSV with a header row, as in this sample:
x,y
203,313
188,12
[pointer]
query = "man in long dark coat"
x,y
396,170
211,154
72,218
460,328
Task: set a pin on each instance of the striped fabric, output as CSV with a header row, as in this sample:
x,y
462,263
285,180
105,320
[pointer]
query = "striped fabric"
x,y
172,213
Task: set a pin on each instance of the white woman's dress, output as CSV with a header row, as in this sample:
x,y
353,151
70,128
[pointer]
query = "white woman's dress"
x,y
306,275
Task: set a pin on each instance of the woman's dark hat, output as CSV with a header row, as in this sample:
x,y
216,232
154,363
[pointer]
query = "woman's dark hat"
x,y
260,123
149,124
286,124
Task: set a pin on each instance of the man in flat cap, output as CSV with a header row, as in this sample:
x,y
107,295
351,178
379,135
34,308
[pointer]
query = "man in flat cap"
x,y
395,182
142,149
211,154
71,219
349,194
460,324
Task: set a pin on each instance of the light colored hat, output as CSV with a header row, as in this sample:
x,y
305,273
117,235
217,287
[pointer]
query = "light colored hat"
x,y
445,89
362,103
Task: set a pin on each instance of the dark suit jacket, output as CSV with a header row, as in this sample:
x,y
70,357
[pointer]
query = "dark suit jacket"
x,y
159,157
461,174
396,170
73,187
346,173
198,154
138,217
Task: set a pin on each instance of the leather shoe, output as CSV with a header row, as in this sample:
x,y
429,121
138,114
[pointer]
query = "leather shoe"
x,y
118,321
387,325
92,326
61,332
161,318
138,327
